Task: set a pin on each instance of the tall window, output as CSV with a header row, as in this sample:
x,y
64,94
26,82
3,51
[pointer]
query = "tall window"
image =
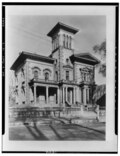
x,y
70,41
53,44
67,75
46,76
64,40
56,75
67,40
36,74
16,79
22,72
67,61
57,41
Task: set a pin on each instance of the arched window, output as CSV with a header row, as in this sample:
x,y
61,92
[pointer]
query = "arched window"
x,y
47,73
46,76
36,72
47,70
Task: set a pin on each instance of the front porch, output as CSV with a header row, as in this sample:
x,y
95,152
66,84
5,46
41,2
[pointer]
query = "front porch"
x,y
45,95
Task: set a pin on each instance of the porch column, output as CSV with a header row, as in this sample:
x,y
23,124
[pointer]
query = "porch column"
x,y
88,96
84,95
47,94
66,94
58,95
34,93
71,97
74,96
63,96
80,97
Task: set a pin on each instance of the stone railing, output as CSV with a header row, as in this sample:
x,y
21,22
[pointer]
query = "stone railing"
x,y
35,113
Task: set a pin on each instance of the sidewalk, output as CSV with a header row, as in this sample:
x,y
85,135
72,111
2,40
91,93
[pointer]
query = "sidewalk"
x,y
58,131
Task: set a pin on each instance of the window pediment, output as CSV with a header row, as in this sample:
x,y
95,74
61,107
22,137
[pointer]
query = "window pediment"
x,y
47,70
68,67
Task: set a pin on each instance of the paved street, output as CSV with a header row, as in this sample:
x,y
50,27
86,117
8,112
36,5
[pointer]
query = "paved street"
x,y
58,132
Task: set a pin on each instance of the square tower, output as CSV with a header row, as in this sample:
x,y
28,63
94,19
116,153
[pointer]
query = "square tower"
x,y
62,35
62,45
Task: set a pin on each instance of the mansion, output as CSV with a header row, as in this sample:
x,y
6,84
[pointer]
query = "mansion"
x,y
62,79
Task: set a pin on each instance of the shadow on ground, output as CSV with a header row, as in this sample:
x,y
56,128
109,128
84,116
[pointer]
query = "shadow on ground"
x,y
32,130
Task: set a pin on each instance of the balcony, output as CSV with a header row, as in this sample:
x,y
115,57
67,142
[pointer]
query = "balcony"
x,y
43,81
87,83
67,81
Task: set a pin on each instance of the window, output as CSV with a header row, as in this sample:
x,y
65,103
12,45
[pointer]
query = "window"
x,y
46,76
56,76
16,79
64,40
57,40
23,90
53,44
67,75
16,96
36,74
67,61
70,41
22,72
84,76
67,40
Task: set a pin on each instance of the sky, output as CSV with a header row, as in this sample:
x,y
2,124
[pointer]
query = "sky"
x,y
29,33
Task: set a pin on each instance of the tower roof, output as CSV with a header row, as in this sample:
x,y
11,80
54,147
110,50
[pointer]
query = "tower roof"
x,y
65,27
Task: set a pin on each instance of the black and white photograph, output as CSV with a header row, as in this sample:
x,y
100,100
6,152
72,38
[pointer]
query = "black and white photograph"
x,y
60,77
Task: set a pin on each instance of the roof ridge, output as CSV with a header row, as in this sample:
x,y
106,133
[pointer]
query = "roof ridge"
x,y
29,53
87,53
